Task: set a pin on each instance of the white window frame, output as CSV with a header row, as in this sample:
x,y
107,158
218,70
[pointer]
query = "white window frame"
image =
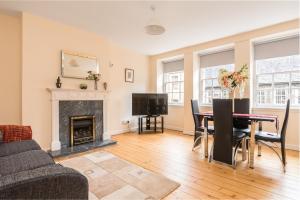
x,y
273,97
179,82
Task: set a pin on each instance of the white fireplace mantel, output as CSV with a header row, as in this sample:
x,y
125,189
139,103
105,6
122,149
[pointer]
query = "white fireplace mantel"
x,y
73,95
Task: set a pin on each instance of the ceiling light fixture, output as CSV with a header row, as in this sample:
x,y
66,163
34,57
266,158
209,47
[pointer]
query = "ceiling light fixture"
x,y
154,27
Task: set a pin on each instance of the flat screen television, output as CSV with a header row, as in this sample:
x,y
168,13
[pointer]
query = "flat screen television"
x,y
149,104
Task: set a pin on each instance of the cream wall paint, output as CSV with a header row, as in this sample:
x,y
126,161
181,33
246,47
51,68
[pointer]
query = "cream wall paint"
x,y
10,69
43,41
243,54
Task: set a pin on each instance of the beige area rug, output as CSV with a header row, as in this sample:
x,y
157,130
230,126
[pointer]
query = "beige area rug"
x,y
111,178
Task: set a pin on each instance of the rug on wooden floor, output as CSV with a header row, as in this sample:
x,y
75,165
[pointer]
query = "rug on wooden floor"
x,y
112,178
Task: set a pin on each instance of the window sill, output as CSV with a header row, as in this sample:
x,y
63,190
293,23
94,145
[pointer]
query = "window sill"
x,y
293,109
176,105
206,105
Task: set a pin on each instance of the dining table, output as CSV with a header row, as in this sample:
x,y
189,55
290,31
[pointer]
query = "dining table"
x,y
254,119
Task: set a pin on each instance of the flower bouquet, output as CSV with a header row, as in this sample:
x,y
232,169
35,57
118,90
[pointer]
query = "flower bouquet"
x,y
232,80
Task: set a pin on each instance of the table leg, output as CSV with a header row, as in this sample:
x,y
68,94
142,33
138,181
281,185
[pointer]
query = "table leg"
x,y
244,149
252,144
205,137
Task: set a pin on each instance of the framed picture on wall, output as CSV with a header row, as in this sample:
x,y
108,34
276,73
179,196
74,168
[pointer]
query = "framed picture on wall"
x,y
129,75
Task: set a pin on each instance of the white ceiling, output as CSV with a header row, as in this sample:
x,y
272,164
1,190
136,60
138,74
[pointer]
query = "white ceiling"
x,y
186,23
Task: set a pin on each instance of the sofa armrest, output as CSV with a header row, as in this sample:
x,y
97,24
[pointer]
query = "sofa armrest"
x,y
50,182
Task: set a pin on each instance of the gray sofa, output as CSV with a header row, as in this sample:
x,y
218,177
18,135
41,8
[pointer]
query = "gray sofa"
x,y
27,172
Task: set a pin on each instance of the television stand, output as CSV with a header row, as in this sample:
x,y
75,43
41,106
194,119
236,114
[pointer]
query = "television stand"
x,y
151,124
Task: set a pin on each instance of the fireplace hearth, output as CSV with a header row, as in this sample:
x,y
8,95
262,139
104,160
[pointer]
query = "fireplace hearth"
x,y
82,129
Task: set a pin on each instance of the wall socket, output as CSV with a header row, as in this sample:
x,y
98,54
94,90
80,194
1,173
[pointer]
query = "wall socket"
x,y
125,122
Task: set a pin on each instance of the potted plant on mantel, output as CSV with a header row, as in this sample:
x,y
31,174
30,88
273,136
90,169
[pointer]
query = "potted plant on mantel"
x,y
95,77
232,80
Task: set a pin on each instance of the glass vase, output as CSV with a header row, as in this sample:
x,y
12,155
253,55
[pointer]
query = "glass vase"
x,y
241,91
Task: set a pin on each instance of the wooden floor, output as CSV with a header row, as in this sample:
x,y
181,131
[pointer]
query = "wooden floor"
x,y
170,155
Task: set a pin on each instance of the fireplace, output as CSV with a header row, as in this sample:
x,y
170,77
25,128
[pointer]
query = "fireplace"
x,y
82,129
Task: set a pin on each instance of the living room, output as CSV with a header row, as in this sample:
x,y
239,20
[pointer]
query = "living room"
x,y
36,39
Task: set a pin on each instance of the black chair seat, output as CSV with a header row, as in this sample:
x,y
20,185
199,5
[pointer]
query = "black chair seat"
x,y
238,135
267,136
247,131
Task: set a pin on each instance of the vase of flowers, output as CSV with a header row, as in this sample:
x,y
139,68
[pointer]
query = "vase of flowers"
x,y
232,80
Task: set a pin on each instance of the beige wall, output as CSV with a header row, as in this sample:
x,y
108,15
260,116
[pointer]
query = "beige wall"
x,y
10,69
242,43
43,41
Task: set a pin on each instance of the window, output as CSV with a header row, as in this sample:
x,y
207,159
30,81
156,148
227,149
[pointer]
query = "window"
x,y
174,86
174,81
278,79
277,73
210,64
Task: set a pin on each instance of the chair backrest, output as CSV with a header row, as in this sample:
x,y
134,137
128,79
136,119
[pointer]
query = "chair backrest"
x,y
285,121
195,109
223,125
241,106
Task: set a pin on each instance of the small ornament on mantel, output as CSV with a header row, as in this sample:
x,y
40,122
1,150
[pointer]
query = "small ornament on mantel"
x,y
58,82
105,86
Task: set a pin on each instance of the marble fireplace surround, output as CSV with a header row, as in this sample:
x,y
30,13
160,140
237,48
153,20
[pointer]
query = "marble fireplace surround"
x,y
73,95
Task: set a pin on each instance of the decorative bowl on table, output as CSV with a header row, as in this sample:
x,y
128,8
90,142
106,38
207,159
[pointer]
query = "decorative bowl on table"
x,y
83,86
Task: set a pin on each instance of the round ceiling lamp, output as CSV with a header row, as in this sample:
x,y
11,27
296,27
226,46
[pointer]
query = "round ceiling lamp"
x,y
154,27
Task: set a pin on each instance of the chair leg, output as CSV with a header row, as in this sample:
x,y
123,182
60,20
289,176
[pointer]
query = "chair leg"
x,y
248,149
211,152
196,142
259,149
235,153
283,155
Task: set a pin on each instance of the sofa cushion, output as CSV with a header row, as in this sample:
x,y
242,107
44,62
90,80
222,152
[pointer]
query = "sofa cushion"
x,y
13,133
24,161
11,148
1,137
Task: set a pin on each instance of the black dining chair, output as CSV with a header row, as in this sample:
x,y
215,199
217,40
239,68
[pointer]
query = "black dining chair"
x,y
226,139
242,106
199,127
268,138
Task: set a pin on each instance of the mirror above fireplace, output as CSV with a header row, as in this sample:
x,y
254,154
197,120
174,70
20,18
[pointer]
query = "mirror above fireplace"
x,y
77,65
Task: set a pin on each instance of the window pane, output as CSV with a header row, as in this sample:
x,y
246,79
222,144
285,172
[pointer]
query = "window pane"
x,y
281,95
181,87
175,98
295,96
296,62
215,83
295,77
217,93
264,80
282,78
168,87
264,96
176,86
181,76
